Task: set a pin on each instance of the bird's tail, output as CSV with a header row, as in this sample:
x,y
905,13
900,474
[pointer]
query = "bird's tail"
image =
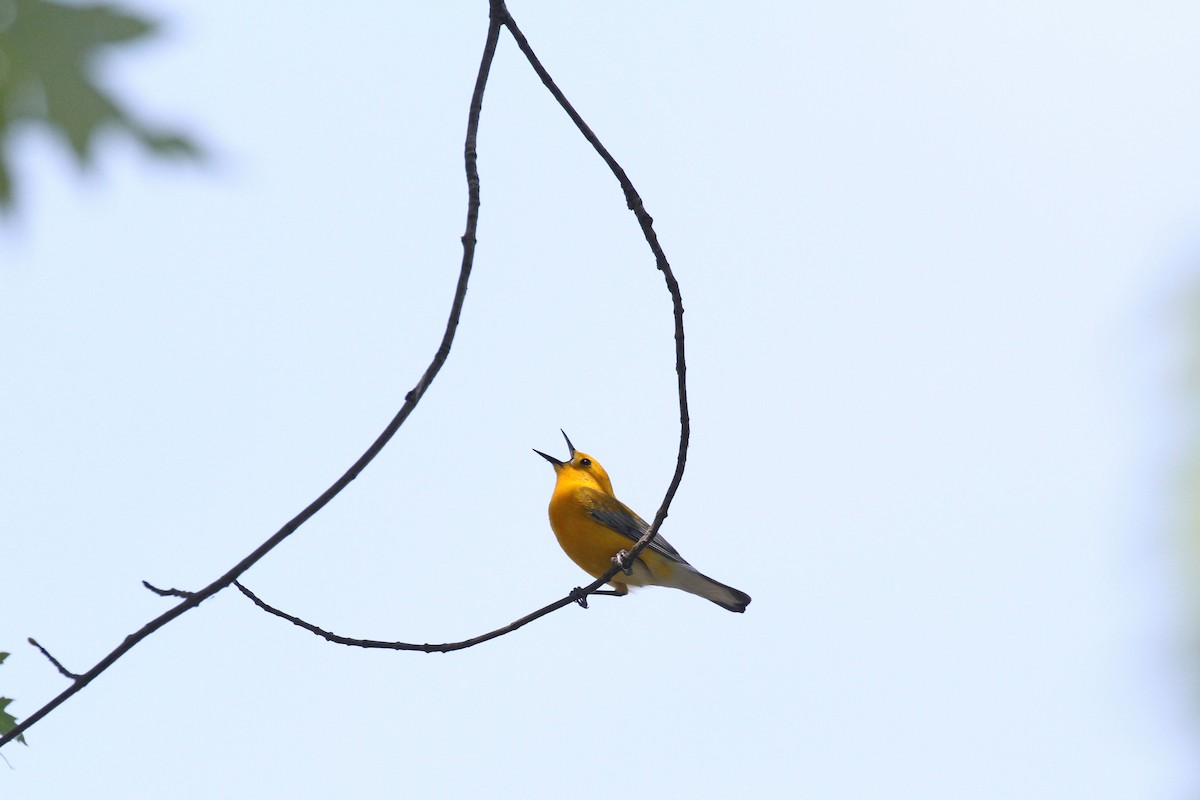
x,y
700,584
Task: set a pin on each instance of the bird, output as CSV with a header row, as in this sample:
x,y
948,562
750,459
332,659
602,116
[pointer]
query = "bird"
x,y
593,527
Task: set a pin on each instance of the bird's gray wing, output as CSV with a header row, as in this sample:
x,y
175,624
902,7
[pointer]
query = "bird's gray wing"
x,y
615,515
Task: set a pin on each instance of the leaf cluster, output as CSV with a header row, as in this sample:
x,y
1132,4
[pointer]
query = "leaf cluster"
x,y
7,720
48,53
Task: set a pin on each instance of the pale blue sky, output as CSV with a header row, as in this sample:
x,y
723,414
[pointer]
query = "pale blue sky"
x,y
930,255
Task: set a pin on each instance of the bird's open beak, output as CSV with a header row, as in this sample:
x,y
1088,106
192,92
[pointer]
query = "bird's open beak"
x,y
554,460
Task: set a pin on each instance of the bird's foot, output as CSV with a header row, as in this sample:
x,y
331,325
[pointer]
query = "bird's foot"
x,y
579,596
622,560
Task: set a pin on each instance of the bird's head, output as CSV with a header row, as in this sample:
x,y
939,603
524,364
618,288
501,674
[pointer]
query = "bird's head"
x,y
580,468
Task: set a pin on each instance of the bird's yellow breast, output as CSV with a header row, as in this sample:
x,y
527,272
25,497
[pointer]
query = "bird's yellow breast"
x,y
592,545
588,543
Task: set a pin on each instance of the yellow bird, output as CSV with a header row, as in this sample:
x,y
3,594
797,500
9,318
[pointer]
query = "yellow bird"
x,y
593,526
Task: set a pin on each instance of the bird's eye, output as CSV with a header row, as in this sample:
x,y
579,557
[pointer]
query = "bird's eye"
x,y
585,462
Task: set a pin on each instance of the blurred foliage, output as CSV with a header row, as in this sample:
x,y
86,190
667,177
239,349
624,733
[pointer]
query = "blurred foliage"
x,y
47,52
1188,485
7,720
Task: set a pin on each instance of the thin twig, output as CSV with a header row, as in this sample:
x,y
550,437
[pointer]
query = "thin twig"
x,y
410,402
446,647
57,664
166,592
634,201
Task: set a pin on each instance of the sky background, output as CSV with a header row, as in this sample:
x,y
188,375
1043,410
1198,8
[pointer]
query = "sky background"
x,y
937,261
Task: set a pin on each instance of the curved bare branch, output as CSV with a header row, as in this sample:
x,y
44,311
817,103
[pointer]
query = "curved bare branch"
x,y
193,599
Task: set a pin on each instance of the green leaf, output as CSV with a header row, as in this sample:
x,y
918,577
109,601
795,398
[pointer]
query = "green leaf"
x,y
47,52
7,720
